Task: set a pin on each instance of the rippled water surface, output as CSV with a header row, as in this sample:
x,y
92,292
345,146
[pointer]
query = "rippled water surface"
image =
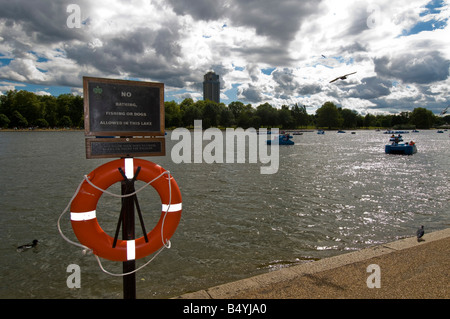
x,y
333,193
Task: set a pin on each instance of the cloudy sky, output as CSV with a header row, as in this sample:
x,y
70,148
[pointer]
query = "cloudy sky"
x,y
281,52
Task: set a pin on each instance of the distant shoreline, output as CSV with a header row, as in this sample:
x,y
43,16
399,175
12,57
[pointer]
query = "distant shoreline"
x,y
41,130
309,130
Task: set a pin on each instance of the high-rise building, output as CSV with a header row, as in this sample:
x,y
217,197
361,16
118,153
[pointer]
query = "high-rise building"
x,y
211,87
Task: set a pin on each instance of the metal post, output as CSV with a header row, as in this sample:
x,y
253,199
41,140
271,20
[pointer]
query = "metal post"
x,y
128,233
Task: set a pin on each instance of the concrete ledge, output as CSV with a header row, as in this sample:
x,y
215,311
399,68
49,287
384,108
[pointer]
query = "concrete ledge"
x,y
264,282
412,241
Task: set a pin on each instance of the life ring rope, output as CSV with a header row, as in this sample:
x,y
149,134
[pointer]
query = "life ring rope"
x,y
167,208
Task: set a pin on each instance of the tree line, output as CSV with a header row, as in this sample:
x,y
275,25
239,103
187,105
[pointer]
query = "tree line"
x,y
23,109
328,116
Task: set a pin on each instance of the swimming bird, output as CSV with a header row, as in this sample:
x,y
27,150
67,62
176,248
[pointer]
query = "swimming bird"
x,y
342,77
28,246
420,233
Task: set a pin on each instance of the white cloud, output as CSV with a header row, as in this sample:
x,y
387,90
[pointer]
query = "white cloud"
x,y
306,44
23,69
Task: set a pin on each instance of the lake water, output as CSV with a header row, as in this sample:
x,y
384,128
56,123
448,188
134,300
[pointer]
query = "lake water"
x,y
333,193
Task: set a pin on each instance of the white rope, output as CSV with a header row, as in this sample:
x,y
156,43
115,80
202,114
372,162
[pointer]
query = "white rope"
x,y
59,221
131,272
86,249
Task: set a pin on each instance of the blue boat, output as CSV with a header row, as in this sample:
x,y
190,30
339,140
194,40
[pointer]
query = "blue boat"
x,y
283,140
320,132
396,132
401,148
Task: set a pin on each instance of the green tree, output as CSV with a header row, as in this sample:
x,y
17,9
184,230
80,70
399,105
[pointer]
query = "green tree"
x,y
62,105
299,115
6,103
172,114
4,121
400,120
72,106
49,110
349,118
18,120
255,121
421,118
41,123
268,115
28,105
285,118
236,108
186,102
65,121
245,117
359,120
328,115
446,119
76,110
211,113
369,120
226,117
190,113
383,121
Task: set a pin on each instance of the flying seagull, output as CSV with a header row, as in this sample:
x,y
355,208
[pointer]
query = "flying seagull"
x,y
342,77
420,233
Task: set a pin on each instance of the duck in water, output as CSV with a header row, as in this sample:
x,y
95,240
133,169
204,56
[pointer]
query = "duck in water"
x,y
27,246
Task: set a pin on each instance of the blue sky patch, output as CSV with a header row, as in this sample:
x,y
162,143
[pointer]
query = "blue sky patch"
x,y
53,90
426,26
432,8
268,71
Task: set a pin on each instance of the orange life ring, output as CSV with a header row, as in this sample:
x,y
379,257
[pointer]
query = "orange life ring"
x,y
83,210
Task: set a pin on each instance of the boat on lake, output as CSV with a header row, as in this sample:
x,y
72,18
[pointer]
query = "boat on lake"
x,y
320,132
401,148
396,132
283,139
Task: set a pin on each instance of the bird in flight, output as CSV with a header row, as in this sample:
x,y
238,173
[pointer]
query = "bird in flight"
x,y
342,77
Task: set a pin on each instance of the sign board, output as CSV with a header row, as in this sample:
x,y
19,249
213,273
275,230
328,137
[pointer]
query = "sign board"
x,y
123,108
123,118
124,147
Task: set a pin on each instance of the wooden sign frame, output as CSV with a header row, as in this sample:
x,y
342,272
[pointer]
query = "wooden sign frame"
x,y
123,108
123,118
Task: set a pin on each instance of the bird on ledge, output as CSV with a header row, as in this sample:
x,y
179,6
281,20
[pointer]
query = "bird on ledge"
x,y
420,233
